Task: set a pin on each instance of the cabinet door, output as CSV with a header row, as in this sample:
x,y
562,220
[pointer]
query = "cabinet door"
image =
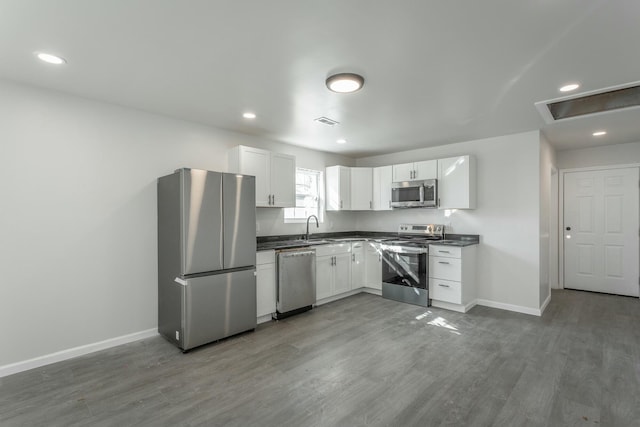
x,y
403,172
373,266
338,188
345,188
382,179
324,277
342,273
361,189
266,289
357,265
456,183
256,162
283,180
426,170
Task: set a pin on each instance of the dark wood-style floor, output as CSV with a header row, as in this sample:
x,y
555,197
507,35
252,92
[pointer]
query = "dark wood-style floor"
x,y
361,361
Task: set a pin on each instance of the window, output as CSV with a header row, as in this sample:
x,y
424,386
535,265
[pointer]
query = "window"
x,y
308,196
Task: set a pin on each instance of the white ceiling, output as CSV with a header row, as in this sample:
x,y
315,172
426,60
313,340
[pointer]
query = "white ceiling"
x,y
436,71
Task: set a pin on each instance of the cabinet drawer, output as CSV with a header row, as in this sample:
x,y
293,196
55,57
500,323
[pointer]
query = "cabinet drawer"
x,y
445,290
265,257
445,251
334,249
445,268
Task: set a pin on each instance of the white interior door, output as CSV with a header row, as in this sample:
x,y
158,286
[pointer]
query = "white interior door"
x,y
601,228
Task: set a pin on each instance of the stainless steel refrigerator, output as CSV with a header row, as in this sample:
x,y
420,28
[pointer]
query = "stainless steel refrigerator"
x,y
206,256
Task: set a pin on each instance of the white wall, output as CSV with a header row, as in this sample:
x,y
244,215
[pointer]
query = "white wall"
x,y
507,216
619,154
78,214
547,235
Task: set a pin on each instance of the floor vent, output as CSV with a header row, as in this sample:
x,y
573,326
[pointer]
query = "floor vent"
x,y
326,121
596,102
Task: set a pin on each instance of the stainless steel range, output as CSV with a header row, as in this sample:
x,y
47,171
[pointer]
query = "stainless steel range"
x,y
405,266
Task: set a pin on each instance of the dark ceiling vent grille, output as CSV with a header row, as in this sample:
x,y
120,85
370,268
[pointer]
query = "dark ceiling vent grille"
x,y
591,103
326,121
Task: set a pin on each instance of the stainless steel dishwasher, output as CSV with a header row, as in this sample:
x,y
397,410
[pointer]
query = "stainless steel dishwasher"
x,y
296,287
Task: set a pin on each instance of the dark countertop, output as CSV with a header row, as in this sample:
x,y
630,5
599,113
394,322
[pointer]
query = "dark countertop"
x,y
293,241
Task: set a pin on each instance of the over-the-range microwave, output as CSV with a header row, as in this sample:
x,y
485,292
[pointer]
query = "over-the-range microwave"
x,y
415,194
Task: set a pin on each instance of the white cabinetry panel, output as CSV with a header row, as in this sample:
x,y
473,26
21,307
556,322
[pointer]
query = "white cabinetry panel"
x,y
275,174
457,183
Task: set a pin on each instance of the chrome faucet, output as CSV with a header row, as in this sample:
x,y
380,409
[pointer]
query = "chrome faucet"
x,y
317,225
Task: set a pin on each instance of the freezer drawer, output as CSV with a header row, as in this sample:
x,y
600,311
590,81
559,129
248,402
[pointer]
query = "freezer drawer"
x,y
218,306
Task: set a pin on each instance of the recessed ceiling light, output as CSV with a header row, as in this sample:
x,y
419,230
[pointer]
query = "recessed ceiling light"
x,y
345,82
569,87
51,59
249,115
341,141
599,133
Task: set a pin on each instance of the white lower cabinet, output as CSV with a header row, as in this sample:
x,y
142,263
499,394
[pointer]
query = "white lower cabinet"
x,y
452,277
357,265
333,270
265,283
373,266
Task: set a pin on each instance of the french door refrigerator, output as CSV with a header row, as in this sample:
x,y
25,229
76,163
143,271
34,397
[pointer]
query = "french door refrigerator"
x,y
206,256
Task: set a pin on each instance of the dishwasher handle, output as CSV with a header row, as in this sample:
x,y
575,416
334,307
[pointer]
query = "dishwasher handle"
x,y
294,253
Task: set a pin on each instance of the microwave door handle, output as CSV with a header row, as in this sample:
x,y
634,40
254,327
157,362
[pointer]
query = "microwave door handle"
x,y
422,194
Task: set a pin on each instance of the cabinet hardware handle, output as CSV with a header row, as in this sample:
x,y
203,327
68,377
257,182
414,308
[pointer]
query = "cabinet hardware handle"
x,y
370,204
353,257
273,198
443,262
444,286
444,252
269,198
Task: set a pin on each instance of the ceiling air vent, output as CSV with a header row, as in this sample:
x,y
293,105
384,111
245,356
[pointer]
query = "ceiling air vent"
x,y
326,121
601,101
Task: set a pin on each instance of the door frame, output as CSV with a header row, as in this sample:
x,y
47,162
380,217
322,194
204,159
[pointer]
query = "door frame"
x,y
561,209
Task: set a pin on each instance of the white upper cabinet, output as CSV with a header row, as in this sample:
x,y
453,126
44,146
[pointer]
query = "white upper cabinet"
x,y
427,169
457,182
338,188
283,180
275,174
361,189
382,179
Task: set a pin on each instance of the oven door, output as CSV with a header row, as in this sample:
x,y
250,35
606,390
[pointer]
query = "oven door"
x,y
405,267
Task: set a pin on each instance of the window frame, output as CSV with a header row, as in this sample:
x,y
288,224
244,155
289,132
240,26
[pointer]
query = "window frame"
x,y
288,218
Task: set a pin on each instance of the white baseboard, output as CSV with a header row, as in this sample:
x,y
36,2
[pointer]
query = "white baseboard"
x,y
510,307
337,297
70,353
454,307
545,303
372,291
264,319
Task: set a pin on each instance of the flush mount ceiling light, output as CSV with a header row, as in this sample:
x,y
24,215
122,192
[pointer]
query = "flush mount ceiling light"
x,y
599,133
249,115
569,87
51,59
345,82
341,141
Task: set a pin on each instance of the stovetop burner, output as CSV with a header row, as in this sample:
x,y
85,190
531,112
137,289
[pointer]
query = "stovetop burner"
x,y
419,234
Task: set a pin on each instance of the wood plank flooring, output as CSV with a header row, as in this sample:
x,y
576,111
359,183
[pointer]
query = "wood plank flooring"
x,y
361,361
